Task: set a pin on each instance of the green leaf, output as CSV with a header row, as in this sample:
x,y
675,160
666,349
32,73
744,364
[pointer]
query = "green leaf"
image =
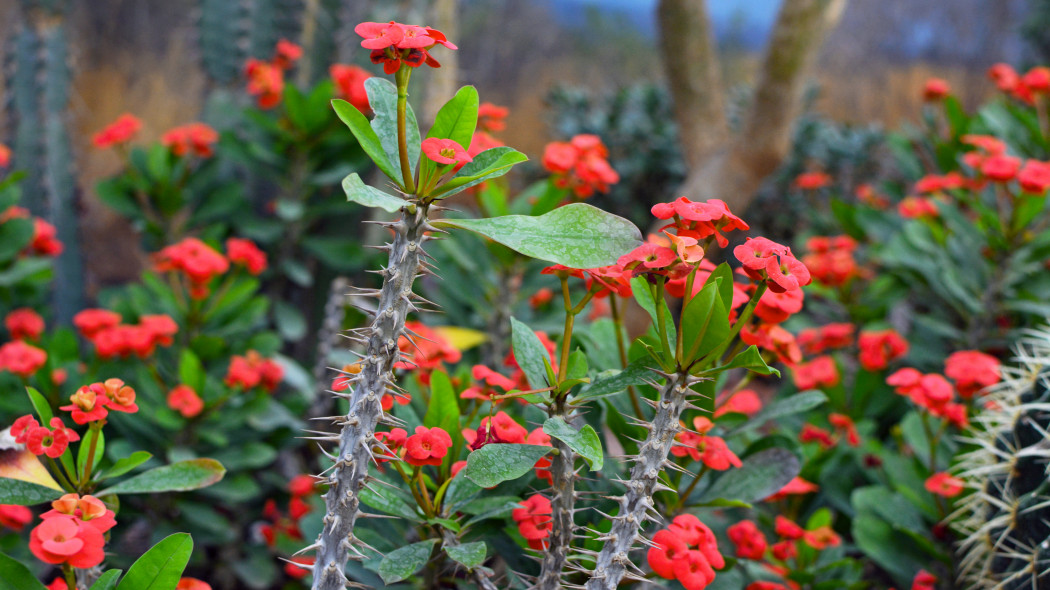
x,y
16,576
23,493
400,564
576,235
887,547
610,382
705,323
191,372
469,555
489,164
456,120
43,409
529,353
126,464
643,294
382,97
15,235
357,191
85,449
751,359
387,501
161,567
107,581
290,321
443,411
181,476
760,476
724,276
795,404
584,441
495,463
367,138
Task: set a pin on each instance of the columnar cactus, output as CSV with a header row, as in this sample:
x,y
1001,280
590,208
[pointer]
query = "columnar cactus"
x,y
1006,520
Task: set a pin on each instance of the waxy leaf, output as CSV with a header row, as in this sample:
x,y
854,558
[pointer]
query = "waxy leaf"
x,y
749,358
367,138
643,294
126,464
43,409
584,441
761,476
382,97
795,404
576,235
16,576
610,382
456,120
443,410
705,323
495,463
530,354
724,275
402,563
23,493
387,501
107,581
469,555
161,567
489,164
357,191
85,450
180,476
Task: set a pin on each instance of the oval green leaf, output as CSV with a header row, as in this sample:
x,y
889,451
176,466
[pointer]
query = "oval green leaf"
x,y
16,576
23,493
366,137
402,563
382,97
357,191
489,164
761,475
161,567
126,464
495,463
529,353
181,476
577,235
469,555
584,441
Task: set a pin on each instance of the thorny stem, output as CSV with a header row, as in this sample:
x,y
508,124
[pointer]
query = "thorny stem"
x,y
622,348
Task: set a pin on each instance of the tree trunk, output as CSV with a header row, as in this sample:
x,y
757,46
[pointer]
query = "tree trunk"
x,y
736,172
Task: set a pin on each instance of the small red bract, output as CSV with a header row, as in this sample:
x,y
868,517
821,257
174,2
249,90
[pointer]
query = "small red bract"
x,y
428,446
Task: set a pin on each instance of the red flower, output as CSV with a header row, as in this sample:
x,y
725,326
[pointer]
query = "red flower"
x,y
184,400
821,372
89,404
762,585
265,82
749,541
253,370
972,371
812,180
192,584
15,517
121,396
936,89
775,308
299,566
1000,168
826,337
350,85
924,580
21,359
65,539
302,485
92,321
541,297
796,486
1004,77
745,401
393,43
160,328
534,520
20,429
650,256
784,550
57,584
697,534
716,455
444,151
393,441
917,208
667,546
380,35
788,528
943,484
195,138
199,262
24,323
580,165
427,350
831,260
505,428
821,538
764,259
286,53
428,446
879,348
492,118
246,253
811,433
705,218
775,339
5,156
845,424
693,571
88,509
118,132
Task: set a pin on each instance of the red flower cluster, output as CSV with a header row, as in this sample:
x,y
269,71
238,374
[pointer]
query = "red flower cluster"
x,y
24,323
195,138
686,550
394,44
972,371
118,132
581,165
41,440
811,433
266,79
825,338
245,253
428,446
774,338
879,348
72,532
350,85
795,487
534,521
712,451
821,372
766,260
924,580
344,381
750,542
15,517
812,181
831,261
253,370
931,392
936,89
21,359
917,208
700,220
486,382
745,402
197,261
492,118
184,400
94,402
426,349
1025,88
102,328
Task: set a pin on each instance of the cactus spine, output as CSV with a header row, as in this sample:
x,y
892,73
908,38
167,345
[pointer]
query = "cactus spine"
x,y
613,562
357,437
1006,520
563,478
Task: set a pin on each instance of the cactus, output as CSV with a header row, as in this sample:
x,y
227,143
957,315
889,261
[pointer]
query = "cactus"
x,y
39,77
1006,520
